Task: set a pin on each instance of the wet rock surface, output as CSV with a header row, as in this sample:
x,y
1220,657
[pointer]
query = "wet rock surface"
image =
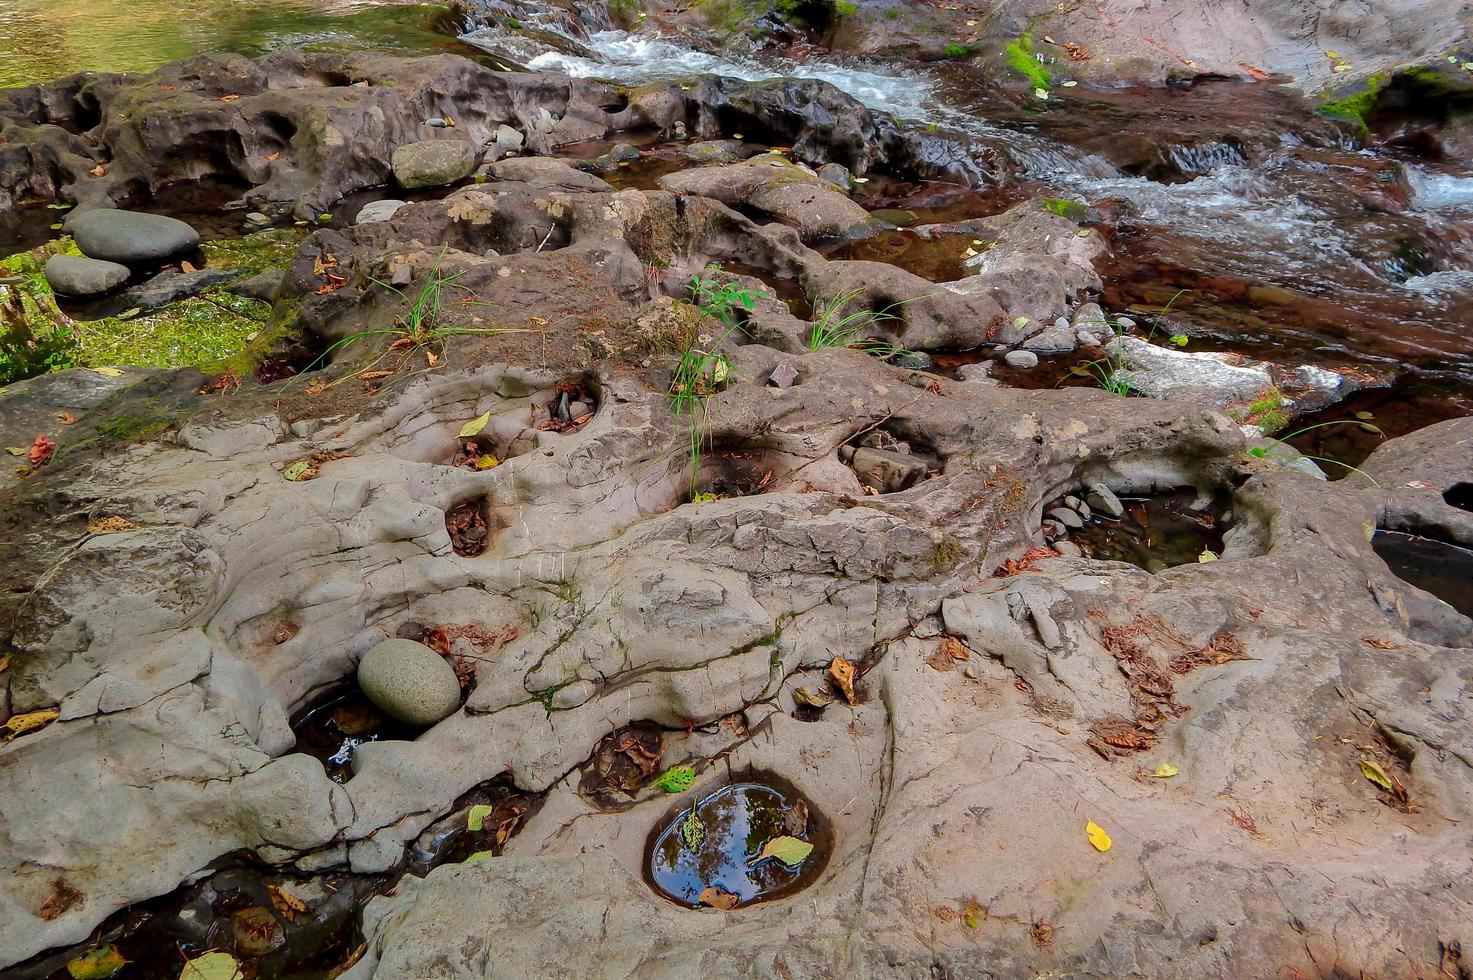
x,y
517,491
130,237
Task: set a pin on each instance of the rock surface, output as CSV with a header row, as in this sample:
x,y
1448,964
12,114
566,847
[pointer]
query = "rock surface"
x,y
433,163
409,681
130,237
74,275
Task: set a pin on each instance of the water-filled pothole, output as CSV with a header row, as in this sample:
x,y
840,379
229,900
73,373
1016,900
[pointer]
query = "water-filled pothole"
x,y
745,843
479,825
887,460
1438,567
1157,532
331,730
1459,495
624,761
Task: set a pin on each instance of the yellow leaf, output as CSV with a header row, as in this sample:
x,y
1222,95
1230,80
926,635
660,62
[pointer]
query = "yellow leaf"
x,y
108,372
842,671
97,963
475,821
479,856
29,722
1377,775
1165,771
486,462
473,428
1097,836
788,850
1207,555
212,966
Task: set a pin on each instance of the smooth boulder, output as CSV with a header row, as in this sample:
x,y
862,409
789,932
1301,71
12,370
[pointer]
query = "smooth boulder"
x,y
378,211
72,275
432,163
409,681
130,237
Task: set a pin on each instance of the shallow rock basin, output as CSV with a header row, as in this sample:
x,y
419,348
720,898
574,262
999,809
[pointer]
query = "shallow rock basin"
x,y
1156,533
1443,569
333,728
721,858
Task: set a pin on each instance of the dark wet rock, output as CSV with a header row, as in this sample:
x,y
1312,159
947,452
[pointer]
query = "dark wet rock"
x,y
74,275
838,175
129,237
409,681
171,287
263,285
914,360
433,163
378,211
256,219
708,152
784,375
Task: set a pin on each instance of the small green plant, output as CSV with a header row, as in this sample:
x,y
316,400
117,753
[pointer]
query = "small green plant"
x,y
1022,60
956,51
844,8
1279,443
834,327
676,779
720,296
1267,411
419,326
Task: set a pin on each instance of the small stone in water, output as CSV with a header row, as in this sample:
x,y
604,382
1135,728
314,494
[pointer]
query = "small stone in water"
x,y
1021,359
1068,549
1053,529
1066,517
1125,322
1103,499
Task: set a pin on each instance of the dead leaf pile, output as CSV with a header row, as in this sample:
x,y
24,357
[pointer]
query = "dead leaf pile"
x,y
63,896
625,760
466,524
1025,563
1223,647
1151,691
110,525
560,419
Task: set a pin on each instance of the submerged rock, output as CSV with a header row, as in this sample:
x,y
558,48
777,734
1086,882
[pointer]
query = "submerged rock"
x,y
130,237
409,681
73,275
433,163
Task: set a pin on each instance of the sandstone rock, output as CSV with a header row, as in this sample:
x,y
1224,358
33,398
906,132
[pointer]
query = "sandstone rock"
x,y
885,470
1021,359
433,163
409,681
1066,516
545,172
1104,500
73,275
784,375
508,138
129,237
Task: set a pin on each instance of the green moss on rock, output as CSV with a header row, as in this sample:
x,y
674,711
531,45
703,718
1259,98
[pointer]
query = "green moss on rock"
x,y
1356,106
1022,60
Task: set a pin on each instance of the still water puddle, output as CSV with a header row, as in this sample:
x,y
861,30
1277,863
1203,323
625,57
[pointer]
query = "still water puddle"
x,y
1438,567
332,729
712,853
1156,533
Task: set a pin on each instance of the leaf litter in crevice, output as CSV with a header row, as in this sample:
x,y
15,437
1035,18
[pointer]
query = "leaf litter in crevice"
x,y
842,672
97,963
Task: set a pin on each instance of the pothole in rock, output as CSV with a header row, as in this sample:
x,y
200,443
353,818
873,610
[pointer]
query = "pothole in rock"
x,y
471,525
934,256
331,730
273,925
1439,567
735,470
1460,495
479,825
747,842
1156,532
624,761
887,461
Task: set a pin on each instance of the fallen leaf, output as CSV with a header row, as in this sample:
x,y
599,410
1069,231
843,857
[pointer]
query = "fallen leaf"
x,y
820,700
474,426
98,171
1207,555
1374,772
485,462
229,98
41,451
110,525
1043,934
475,820
1377,642
18,725
273,156
63,896
479,856
795,821
973,913
299,471
212,966
374,375
842,671
431,358
66,418
187,267
676,779
718,899
97,963
692,831
17,450
789,851
107,372
1097,836
1165,771
287,905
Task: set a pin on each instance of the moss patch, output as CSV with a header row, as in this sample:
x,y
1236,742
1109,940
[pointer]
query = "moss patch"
x,y
1357,106
1072,210
1022,60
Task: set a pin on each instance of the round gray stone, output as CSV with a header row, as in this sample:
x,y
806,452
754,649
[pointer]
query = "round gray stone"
x,y
409,681
1023,359
72,275
130,236
432,163
378,211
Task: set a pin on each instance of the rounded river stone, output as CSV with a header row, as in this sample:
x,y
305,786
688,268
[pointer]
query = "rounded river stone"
x,y
409,681
72,275
130,236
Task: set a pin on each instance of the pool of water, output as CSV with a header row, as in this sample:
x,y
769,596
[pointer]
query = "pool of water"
x,y
45,39
1438,567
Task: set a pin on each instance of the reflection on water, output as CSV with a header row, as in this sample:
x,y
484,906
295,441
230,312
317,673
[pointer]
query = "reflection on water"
x,y
45,39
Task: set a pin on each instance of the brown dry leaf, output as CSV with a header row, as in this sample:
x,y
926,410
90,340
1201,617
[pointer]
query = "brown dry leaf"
x,y
1043,934
4,662
1258,74
229,98
110,525
187,267
285,630
1378,643
18,725
540,321
432,358
286,904
66,418
347,964
273,156
98,171
1076,52
1243,821
842,671
374,375
973,913
323,262
718,899
795,821
945,913
63,896
41,451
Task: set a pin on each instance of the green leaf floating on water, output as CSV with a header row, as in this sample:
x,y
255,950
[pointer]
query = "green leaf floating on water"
x,y
96,964
692,831
676,779
212,966
789,850
476,819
